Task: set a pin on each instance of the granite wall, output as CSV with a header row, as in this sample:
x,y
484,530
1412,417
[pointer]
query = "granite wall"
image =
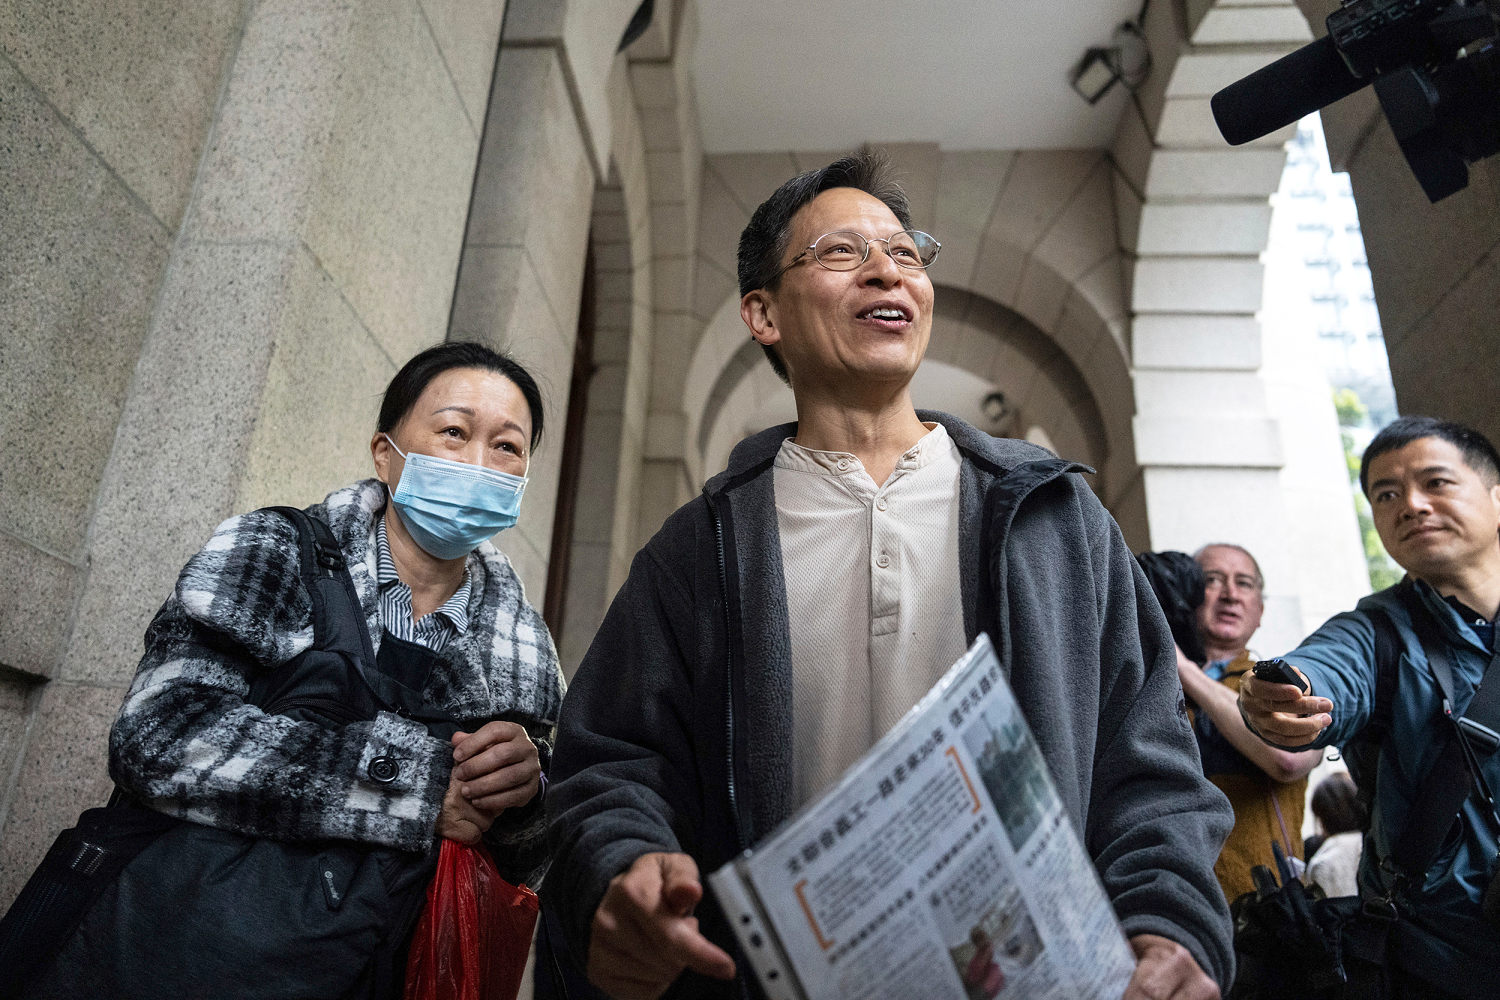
x,y
223,225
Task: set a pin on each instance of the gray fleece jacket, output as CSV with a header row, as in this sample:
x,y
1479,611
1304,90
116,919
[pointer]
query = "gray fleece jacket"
x,y
676,733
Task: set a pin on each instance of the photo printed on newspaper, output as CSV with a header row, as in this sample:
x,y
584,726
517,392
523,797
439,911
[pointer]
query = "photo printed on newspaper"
x,y
941,865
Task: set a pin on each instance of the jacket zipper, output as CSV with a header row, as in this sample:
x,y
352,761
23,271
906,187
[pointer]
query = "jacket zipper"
x,y
33,911
734,806
334,710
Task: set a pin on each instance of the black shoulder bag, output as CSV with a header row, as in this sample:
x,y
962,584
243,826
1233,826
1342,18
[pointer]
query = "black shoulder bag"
x,y
132,903
1291,944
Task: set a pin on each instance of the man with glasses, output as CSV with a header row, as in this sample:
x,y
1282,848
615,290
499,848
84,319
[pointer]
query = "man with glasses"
x,y
781,622
1409,676
1265,786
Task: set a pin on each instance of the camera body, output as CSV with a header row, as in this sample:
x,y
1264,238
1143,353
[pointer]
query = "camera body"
x,y
1278,672
1435,65
1378,36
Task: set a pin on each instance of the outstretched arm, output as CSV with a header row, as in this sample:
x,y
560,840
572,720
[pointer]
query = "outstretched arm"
x,y
1220,705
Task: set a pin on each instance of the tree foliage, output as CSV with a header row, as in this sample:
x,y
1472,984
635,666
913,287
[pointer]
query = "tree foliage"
x,y
1353,414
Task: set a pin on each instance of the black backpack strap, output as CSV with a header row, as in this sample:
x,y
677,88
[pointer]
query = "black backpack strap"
x,y
1362,753
1387,662
1455,773
338,622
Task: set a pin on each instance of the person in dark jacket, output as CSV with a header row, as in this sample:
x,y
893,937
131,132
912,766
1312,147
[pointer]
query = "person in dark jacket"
x,y
778,624
1434,491
446,614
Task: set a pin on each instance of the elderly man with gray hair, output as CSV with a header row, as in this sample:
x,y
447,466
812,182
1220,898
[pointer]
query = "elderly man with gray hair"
x,y
1266,786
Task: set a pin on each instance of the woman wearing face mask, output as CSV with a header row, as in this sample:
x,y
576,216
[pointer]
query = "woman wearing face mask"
x,y
447,619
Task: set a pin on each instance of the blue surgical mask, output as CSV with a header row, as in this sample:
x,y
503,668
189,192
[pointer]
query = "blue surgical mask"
x,y
449,507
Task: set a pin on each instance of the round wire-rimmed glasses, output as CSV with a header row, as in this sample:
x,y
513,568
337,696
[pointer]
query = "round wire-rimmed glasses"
x,y
844,250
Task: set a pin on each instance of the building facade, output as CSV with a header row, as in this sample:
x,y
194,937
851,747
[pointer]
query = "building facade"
x,y
224,225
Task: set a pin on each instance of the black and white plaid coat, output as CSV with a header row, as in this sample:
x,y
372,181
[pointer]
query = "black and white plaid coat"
x,y
188,744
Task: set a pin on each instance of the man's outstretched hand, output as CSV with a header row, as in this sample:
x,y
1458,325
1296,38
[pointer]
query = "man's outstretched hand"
x,y
1281,714
644,933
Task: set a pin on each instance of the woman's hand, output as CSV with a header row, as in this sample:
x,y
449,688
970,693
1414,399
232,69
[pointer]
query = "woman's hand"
x,y
458,819
497,767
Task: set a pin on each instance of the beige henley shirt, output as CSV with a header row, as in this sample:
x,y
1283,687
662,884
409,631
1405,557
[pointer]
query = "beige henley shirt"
x,y
873,596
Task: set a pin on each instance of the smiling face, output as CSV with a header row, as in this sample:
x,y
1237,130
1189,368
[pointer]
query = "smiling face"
x,y
1436,515
1232,601
471,415
870,324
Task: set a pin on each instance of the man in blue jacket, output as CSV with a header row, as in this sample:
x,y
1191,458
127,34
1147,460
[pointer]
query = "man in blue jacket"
x,y
1434,488
778,624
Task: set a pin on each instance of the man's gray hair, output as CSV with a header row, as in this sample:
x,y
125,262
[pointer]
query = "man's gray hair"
x,y
1260,578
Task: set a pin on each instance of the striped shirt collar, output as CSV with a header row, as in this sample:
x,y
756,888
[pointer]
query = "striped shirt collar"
x,y
452,619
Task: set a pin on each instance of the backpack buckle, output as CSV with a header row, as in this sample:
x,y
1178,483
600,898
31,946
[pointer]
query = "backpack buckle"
x,y
1481,737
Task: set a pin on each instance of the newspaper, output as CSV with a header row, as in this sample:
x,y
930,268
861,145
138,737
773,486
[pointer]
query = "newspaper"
x,y
941,865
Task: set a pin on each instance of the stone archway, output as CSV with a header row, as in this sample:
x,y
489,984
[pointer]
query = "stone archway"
x,y
672,157
596,532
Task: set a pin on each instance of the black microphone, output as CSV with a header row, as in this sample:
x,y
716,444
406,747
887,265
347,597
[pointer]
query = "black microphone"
x,y
1287,90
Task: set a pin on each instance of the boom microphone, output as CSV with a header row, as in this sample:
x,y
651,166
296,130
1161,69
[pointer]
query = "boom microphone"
x,y
1436,69
1284,92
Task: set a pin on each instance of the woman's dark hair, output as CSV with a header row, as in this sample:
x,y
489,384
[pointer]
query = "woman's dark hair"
x,y
1336,804
1476,449
1177,581
764,240
413,378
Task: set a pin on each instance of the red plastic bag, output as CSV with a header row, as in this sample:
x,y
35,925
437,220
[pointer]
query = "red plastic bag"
x,y
474,933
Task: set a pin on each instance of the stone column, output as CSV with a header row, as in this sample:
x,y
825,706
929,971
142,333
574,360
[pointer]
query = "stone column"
x,y
547,146
1209,446
317,250
661,81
